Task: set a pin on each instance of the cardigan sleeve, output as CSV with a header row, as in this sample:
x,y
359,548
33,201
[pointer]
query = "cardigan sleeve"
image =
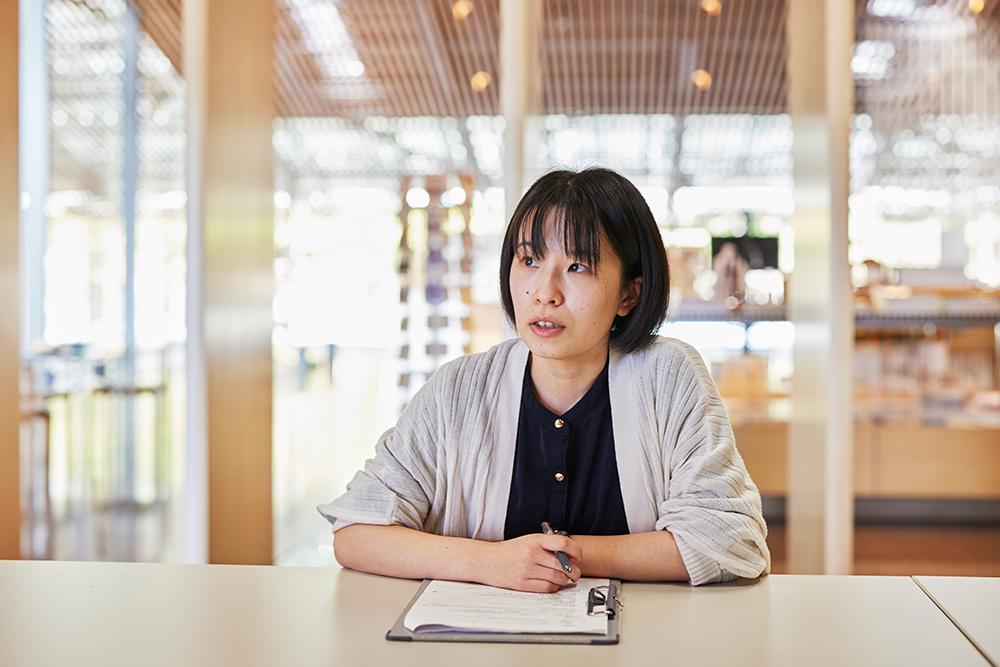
x,y
712,507
397,486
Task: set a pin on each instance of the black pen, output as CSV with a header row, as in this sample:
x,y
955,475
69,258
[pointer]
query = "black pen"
x,y
566,565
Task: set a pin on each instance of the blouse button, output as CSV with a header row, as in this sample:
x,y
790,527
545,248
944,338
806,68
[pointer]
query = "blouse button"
x,y
559,423
560,477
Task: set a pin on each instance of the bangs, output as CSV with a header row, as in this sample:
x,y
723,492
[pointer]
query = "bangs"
x,y
579,226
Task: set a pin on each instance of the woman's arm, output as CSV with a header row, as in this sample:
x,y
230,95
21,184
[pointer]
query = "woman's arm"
x,y
710,504
638,557
527,563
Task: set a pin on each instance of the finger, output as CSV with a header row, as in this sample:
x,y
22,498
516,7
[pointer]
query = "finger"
x,y
573,550
573,575
542,564
562,543
537,586
552,570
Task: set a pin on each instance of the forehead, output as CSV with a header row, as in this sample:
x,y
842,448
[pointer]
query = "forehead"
x,y
554,225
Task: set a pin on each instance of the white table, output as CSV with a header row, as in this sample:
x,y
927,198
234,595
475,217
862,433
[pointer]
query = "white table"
x,y
107,614
973,604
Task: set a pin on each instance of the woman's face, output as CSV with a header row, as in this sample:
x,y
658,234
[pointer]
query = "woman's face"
x,y
563,308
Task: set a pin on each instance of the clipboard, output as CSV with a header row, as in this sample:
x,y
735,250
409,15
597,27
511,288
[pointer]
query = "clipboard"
x,y
599,602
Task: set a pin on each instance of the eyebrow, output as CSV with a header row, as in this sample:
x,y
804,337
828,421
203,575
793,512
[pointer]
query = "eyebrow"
x,y
523,245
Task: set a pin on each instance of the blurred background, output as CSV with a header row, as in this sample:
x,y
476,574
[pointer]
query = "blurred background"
x,y
391,187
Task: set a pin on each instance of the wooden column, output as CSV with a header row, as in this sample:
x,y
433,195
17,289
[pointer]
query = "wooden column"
x,y
228,65
520,67
10,197
820,456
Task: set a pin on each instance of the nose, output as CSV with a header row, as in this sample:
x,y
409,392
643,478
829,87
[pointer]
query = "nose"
x,y
548,289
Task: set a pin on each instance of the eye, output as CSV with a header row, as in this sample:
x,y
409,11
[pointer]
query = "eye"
x,y
577,267
528,260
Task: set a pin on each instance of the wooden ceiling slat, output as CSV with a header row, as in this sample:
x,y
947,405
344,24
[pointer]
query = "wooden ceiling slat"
x,y
377,68
665,99
773,62
455,45
417,70
740,79
399,84
647,67
635,35
708,46
399,89
591,65
435,46
729,71
567,52
775,72
486,58
599,56
608,55
455,39
402,96
616,55
580,80
161,20
610,58
754,74
489,38
297,72
552,71
564,46
716,60
552,95
691,22
636,85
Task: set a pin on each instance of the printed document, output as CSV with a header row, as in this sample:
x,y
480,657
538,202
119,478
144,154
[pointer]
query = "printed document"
x,y
452,606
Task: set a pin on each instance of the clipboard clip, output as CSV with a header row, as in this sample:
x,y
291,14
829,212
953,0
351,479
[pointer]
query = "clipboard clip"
x,y
597,602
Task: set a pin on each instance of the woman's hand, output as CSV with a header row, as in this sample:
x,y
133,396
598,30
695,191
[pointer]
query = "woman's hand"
x,y
528,563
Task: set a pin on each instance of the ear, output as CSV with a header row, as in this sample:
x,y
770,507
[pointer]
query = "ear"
x,y
630,296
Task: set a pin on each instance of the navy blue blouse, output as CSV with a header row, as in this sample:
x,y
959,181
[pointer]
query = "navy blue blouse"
x,y
565,471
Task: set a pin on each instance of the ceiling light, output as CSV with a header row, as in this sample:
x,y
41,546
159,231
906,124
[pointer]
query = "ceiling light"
x,y
461,9
480,80
714,7
702,79
977,5
891,8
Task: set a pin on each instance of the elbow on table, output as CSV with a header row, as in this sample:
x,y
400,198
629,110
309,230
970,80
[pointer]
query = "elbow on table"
x,y
347,548
753,567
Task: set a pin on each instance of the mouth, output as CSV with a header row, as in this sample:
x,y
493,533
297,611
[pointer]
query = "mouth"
x,y
545,327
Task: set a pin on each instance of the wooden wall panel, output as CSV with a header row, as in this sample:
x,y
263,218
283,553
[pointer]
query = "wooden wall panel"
x,y
865,460
764,448
10,507
936,462
890,460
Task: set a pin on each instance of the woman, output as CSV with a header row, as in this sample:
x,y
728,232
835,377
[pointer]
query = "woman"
x,y
588,421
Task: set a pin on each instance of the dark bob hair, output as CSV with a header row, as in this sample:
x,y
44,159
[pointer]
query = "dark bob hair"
x,y
592,204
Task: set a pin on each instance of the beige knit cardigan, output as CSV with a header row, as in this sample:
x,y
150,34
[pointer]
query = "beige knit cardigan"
x,y
446,466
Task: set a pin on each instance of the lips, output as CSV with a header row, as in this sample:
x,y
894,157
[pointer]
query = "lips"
x,y
545,327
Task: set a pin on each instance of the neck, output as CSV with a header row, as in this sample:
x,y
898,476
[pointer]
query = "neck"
x,y
560,385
